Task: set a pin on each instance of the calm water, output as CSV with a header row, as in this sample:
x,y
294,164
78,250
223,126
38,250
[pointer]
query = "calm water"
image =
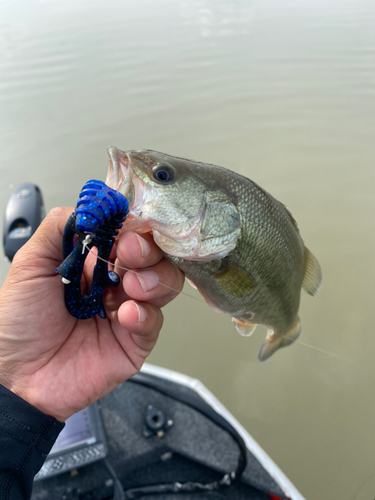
x,y
281,91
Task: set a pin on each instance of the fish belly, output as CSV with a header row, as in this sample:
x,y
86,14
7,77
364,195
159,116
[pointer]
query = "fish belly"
x,y
243,296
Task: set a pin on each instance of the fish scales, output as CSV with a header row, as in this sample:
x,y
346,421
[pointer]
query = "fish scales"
x,y
264,254
236,243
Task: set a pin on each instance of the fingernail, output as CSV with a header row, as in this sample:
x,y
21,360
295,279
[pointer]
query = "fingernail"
x,y
148,280
145,247
142,315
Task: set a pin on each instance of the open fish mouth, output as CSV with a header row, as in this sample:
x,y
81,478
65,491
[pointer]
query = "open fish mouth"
x,y
119,175
122,178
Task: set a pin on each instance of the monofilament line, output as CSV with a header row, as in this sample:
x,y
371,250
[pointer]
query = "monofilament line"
x,y
204,302
322,350
135,272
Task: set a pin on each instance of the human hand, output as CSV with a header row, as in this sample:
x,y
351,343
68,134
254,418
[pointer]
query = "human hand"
x,y
60,364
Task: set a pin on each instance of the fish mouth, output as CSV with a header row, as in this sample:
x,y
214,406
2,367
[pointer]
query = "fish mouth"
x,y
122,178
118,175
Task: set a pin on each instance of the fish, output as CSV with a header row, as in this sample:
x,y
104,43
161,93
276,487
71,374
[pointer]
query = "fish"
x,y
238,245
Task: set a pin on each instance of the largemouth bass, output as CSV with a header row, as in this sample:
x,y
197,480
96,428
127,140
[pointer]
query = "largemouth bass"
x,y
239,246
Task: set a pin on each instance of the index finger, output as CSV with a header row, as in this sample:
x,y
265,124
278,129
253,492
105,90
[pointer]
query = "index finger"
x,y
135,251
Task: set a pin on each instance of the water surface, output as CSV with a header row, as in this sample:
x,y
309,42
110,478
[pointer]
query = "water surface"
x,y
281,91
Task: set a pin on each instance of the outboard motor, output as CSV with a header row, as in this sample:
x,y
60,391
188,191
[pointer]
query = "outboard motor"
x,y
23,214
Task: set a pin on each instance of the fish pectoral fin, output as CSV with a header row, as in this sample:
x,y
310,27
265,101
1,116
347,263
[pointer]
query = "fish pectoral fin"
x,y
233,278
313,274
274,342
243,328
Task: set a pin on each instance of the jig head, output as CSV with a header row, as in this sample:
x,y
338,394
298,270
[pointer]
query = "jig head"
x,y
99,214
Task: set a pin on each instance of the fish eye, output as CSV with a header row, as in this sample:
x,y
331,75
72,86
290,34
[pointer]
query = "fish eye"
x,y
163,174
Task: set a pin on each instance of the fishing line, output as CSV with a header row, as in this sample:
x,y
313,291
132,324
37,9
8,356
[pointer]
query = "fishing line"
x,y
140,274
323,351
304,344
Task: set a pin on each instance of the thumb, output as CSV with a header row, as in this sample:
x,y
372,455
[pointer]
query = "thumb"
x,y
43,252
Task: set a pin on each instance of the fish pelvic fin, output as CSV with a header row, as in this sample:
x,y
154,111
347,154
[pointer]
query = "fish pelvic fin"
x,y
274,342
312,279
243,328
209,301
191,283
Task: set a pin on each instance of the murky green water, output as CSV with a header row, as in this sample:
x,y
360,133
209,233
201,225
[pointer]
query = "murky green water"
x,y
281,91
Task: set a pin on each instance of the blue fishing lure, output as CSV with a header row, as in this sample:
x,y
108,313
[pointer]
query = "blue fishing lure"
x,y
98,216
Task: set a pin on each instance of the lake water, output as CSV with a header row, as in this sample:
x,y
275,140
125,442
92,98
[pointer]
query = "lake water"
x,y
281,91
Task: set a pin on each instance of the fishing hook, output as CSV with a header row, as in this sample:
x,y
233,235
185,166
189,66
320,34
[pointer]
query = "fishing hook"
x,y
96,220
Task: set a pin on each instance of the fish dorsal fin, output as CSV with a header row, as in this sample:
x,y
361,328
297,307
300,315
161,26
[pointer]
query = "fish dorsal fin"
x,y
313,274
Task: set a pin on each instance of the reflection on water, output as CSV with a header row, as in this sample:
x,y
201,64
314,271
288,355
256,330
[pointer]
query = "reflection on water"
x,y
279,91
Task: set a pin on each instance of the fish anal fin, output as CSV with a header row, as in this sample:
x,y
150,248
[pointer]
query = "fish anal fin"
x,y
243,328
274,341
313,275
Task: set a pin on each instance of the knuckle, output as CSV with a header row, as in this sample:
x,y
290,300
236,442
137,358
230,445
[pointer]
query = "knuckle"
x,y
57,213
56,217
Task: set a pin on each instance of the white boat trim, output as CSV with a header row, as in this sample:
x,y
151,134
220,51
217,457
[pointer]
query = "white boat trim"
x,y
274,471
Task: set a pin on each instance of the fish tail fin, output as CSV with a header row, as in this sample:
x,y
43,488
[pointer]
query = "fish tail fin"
x,y
274,342
312,279
243,328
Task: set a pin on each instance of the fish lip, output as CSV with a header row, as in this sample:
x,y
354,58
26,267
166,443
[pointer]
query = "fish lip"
x,y
119,175
113,168
122,178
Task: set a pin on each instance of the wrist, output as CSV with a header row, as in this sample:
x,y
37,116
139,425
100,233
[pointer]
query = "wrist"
x,y
30,397
23,421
